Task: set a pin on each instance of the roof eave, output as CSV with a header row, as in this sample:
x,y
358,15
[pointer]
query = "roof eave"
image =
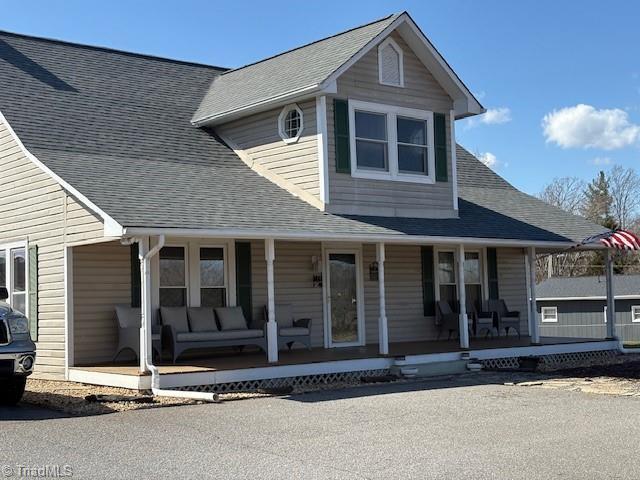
x,y
262,105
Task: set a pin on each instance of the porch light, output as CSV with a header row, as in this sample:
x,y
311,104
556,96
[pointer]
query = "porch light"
x,y
316,265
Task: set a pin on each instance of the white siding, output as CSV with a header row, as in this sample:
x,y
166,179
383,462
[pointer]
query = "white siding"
x,y
258,139
101,280
382,197
34,207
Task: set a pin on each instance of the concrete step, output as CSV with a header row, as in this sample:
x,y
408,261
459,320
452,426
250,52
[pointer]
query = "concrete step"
x,y
433,369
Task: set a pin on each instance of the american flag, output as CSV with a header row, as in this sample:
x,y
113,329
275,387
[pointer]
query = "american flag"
x,y
620,239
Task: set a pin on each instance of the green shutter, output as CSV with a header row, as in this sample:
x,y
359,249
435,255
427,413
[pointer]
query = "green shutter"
x,y
428,283
341,129
440,140
33,292
136,291
492,272
243,278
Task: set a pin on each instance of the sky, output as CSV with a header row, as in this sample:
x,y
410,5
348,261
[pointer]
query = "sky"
x,y
560,79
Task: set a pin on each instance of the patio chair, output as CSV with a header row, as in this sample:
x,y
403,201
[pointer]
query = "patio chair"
x,y
505,318
290,329
446,319
483,320
128,319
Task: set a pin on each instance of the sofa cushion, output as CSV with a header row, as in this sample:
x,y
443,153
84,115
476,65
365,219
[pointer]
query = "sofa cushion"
x,y
176,317
213,336
294,331
231,318
202,319
284,315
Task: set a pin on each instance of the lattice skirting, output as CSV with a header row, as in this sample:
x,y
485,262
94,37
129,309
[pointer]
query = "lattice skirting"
x,y
553,361
274,383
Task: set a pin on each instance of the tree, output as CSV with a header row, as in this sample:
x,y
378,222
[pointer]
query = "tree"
x,y
624,189
597,207
567,193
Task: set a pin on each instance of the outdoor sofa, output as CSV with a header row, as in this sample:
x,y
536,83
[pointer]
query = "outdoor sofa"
x,y
205,327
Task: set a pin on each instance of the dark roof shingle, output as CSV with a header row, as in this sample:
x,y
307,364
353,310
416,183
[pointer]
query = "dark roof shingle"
x,y
116,127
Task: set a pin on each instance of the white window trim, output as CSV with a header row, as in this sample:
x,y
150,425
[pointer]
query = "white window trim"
x,y
281,118
391,112
225,259
553,310
396,47
187,269
635,308
604,311
7,247
483,270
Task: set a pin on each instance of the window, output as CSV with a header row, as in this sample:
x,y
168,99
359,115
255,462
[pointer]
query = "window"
x,y
213,290
290,123
391,143
412,146
390,64
472,279
13,275
635,313
173,277
371,141
447,278
549,314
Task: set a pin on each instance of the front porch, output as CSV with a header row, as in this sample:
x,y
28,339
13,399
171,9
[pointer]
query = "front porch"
x,y
387,300
253,366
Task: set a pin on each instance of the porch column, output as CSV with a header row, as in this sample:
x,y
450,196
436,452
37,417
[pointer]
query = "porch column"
x,y
272,327
383,333
145,303
463,325
611,301
533,304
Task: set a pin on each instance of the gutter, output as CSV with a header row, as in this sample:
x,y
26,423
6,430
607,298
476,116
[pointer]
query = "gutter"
x,y
146,352
332,237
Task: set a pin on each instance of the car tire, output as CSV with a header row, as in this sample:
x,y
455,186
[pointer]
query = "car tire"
x,y
11,390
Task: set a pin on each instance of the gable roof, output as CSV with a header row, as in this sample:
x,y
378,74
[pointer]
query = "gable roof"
x,y
311,68
590,287
115,126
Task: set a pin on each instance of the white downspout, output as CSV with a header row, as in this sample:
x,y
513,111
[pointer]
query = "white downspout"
x,y
145,254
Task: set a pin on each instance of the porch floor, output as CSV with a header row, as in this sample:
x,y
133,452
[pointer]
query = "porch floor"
x,y
255,359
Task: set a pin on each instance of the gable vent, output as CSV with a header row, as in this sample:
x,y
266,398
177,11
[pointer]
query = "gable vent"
x,y
390,66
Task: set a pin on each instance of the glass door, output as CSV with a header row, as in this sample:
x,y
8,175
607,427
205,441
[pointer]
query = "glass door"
x,y
345,317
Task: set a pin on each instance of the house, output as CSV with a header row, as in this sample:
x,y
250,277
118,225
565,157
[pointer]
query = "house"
x,y
327,177
577,307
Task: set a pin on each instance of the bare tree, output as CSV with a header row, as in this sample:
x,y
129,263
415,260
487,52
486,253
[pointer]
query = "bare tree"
x,y
624,188
566,193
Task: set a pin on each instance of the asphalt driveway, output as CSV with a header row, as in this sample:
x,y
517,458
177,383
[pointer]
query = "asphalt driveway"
x,y
442,430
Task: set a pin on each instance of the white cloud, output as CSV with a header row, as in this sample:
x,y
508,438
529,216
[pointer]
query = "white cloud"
x,y
601,161
584,126
496,115
489,159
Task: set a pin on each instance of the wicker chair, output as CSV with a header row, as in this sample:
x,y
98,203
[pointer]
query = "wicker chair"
x,y
505,318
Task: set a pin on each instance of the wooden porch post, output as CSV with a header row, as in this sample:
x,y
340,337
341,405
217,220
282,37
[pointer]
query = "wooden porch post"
x,y
272,328
611,302
145,303
462,299
383,333
533,304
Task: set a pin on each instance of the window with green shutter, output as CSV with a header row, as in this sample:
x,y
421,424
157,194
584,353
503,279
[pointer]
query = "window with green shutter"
x,y
33,292
341,133
440,141
428,283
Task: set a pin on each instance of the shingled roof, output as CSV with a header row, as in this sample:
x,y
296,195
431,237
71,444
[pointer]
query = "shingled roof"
x,y
116,127
594,287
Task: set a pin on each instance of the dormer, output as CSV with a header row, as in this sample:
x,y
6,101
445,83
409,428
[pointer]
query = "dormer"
x,y
359,123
